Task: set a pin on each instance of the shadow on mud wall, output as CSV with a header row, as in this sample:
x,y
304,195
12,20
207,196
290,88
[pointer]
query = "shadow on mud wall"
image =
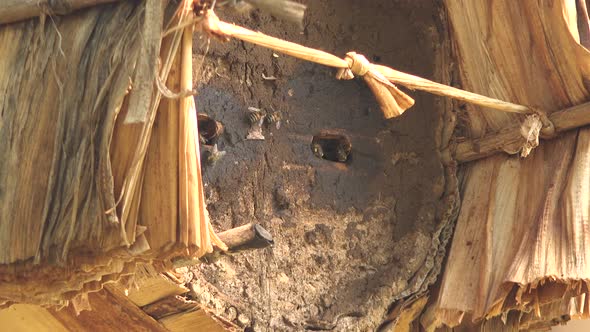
x,y
349,236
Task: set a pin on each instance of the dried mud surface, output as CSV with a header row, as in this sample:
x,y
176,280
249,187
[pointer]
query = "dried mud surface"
x,y
348,237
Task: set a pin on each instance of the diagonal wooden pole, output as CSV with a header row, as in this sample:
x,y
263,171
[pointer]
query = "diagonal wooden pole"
x,y
214,26
18,10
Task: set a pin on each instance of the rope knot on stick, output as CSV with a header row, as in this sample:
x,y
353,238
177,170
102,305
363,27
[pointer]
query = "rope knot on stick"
x,y
393,101
358,65
548,128
529,131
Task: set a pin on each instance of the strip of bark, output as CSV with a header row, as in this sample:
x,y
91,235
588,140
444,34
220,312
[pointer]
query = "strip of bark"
x,y
510,138
18,10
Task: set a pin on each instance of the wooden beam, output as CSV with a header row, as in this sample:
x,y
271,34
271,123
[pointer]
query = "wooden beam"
x,y
511,139
18,10
197,320
111,311
29,318
150,290
169,306
180,314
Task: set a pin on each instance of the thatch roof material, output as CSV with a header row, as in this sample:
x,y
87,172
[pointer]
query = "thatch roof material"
x,y
85,195
149,304
520,241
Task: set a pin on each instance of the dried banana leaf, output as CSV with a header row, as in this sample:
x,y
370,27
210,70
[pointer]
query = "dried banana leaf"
x,y
522,233
84,195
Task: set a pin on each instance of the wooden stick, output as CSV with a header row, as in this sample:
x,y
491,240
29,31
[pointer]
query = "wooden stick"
x,y
571,118
246,237
395,76
189,206
393,102
168,306
249,236
282,46
194,219
470,150
284,9
110,309
18,10
419,83
510,139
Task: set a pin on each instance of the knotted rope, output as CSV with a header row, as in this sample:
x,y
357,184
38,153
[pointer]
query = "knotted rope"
x,y
381,79
393,101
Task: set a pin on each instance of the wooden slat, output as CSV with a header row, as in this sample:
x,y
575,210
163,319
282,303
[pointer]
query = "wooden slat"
x,y
169,306
151,290
111,311
189,321
29,318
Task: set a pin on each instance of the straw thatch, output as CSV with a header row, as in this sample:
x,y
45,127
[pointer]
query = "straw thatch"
x,y
520,241
98,171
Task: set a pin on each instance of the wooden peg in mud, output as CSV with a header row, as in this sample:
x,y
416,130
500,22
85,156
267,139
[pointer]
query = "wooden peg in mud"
x,y
246,237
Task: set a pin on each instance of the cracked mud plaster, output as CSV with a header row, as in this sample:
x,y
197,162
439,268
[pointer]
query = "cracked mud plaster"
x,y
349,237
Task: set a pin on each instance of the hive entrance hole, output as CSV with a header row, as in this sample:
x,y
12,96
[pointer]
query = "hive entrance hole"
x,y
332,146
209,129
